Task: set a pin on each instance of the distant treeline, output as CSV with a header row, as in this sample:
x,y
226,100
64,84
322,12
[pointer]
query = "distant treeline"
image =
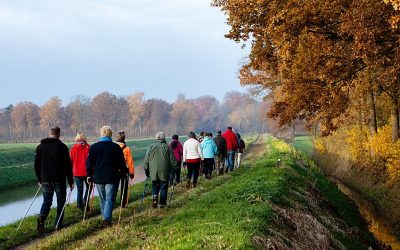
x,y
139,117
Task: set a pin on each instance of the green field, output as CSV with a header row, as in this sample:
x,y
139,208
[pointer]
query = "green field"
x,y
259,204
16,161
304,144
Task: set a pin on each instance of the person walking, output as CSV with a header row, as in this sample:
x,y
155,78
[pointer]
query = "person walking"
x,y
105,165
158,163
129,163
241,147
231,147
177,148
221,153
209,149
192,158
52,168
79,153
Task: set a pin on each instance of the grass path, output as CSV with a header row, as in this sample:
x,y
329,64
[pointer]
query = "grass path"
x,y
261,205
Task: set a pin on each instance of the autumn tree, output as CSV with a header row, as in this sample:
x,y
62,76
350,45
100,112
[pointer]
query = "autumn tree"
x,y
207,110
49,113
102,109
25,118
183,116
156,115
79,108
137,108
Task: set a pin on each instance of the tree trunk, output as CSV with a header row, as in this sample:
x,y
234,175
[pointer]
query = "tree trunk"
x,y
394,117
373,126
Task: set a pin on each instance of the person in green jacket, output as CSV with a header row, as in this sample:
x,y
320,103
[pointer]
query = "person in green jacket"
x,y
158,163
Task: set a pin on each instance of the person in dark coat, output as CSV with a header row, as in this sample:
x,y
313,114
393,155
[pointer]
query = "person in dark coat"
x,y
221,153
158,163
105,165
52,168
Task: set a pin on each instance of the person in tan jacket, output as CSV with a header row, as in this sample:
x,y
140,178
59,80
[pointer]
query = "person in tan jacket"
x,y
129,163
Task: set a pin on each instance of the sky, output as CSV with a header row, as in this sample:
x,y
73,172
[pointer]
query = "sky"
x,y
67,48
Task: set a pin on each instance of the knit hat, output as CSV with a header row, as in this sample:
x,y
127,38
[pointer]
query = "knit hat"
x,y
120,136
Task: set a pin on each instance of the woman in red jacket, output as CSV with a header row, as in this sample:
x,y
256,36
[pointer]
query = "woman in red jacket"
x,y
79,154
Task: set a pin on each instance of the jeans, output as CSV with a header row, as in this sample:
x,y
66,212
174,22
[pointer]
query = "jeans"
x,y
230,160
193,170
220,164
80,200
107,194
175,175
160,187
208,167
60,188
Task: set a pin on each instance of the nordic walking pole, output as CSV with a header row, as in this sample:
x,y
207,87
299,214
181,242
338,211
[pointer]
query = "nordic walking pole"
x,y
62,211
91,202
122,199
172,193
87,201
37,192
144,193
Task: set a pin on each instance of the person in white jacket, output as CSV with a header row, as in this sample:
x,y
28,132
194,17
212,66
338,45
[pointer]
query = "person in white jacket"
x,y
192,158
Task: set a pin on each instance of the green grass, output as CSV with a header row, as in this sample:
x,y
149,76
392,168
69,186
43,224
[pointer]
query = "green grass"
x,y
304,144
227,212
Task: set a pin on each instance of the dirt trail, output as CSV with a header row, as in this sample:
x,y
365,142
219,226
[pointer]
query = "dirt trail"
x,y
256,149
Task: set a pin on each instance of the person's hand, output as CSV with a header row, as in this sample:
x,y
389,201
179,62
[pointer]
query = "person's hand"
x,y
39,183
131,176
89,179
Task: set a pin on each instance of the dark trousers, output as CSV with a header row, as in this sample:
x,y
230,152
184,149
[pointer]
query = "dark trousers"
x,y
160,188
208,167
123,196
60,188
175,175
81,199
193,171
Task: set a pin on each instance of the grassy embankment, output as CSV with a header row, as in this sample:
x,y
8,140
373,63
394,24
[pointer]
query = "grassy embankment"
x,y
258,206
16,161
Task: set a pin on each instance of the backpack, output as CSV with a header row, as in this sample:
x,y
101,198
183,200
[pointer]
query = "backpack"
x,y
242,144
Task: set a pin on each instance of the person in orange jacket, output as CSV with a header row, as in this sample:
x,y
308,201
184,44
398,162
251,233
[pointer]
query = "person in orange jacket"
x,y
79,153
129,163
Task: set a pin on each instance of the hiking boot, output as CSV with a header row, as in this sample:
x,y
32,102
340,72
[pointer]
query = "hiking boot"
x,y
188,184
40,223
155,201
105,223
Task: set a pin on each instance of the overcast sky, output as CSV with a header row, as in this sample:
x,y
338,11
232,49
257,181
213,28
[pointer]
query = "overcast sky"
x,y
69,47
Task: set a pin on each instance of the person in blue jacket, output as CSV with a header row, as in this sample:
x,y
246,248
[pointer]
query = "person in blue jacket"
x,y
209,149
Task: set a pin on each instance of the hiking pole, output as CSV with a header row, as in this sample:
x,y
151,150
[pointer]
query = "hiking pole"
x,y
172,193
37,192
87,200
122,199
62,211
144,193
91,202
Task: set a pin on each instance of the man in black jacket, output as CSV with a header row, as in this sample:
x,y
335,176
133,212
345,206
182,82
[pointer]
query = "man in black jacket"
x,y
221,153
52,167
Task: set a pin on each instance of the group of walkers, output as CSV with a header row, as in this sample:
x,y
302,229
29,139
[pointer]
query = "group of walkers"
x,y
107,164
